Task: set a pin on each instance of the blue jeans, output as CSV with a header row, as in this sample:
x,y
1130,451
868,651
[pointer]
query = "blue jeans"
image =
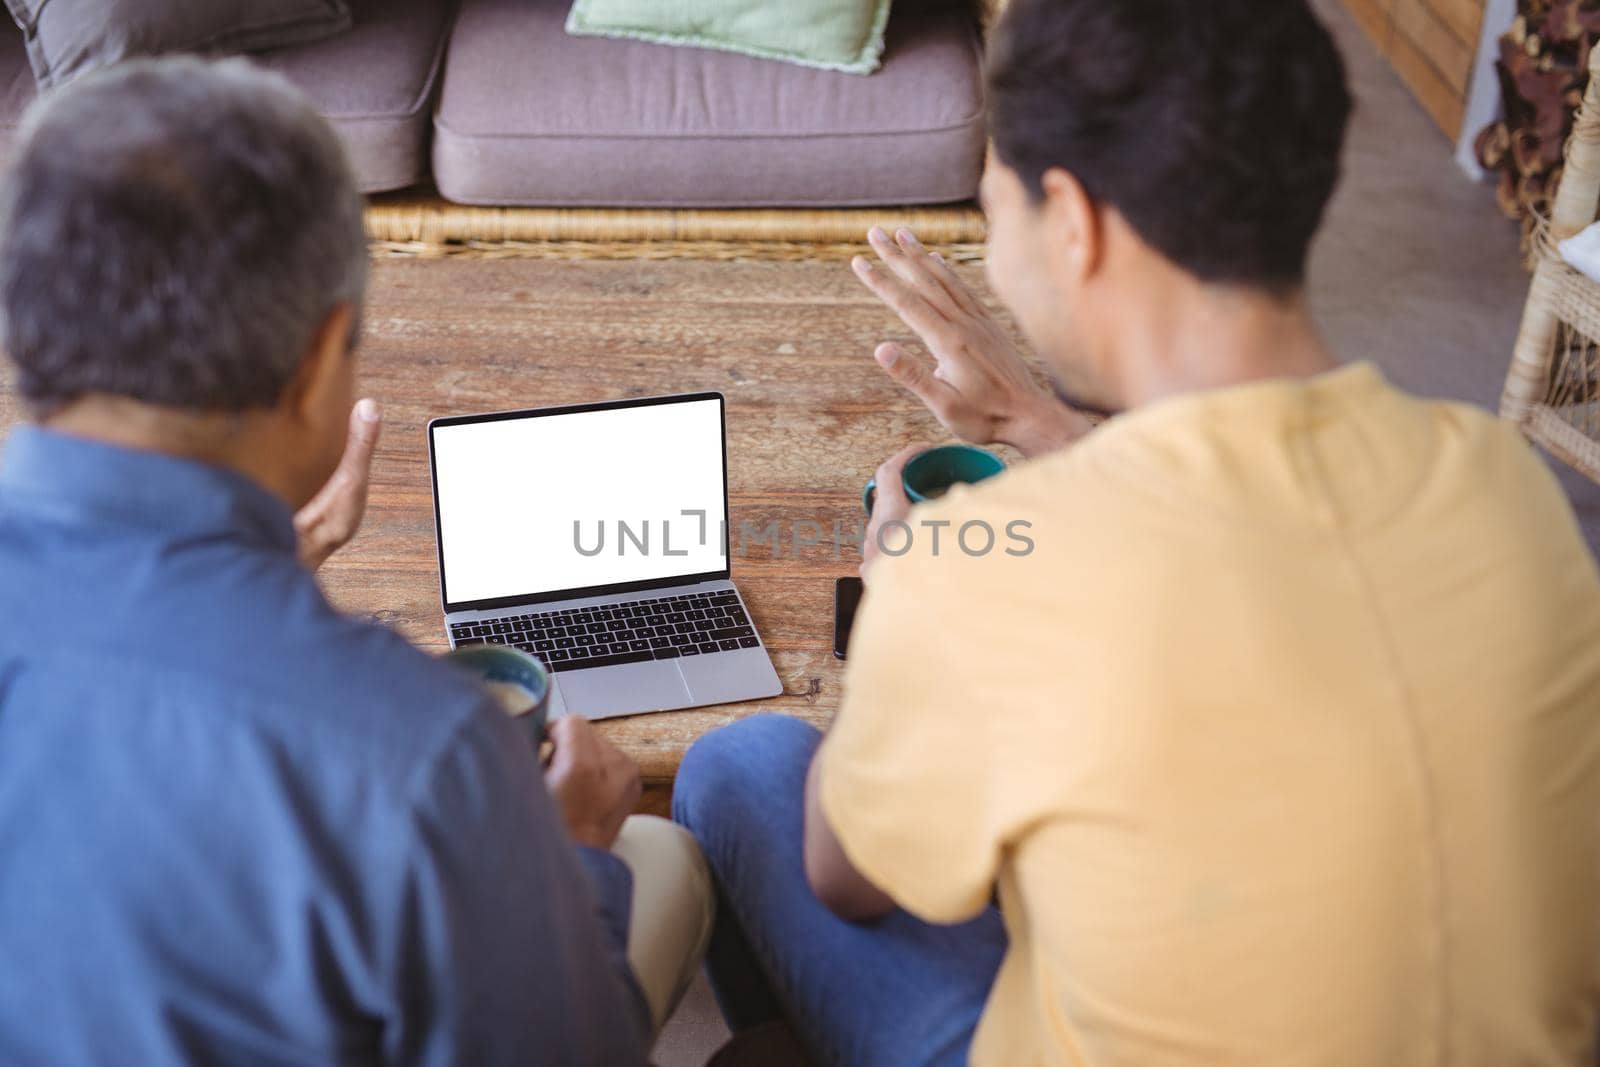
x,y
895,991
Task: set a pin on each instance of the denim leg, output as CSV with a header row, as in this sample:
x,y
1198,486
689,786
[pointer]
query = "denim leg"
x,y
896,991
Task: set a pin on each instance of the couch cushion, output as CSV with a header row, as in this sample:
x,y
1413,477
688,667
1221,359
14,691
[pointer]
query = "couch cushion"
x,y
376,85
67,38
17,87
530,115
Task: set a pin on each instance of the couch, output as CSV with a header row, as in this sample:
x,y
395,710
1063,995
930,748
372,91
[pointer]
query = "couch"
x,y
493,103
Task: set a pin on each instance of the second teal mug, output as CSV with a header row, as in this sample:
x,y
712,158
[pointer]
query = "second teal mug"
x,y
929,475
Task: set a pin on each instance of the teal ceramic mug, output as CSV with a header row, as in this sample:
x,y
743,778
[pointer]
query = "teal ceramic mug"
x,y
519,683
929,475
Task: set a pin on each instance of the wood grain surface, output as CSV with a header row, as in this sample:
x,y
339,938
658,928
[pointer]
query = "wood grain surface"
x,y
1431,44
810,416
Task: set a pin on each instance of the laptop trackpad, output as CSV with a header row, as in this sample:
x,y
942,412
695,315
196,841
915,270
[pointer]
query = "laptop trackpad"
x,y
625,690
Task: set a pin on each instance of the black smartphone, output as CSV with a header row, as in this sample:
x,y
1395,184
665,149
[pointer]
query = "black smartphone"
x,y
846,598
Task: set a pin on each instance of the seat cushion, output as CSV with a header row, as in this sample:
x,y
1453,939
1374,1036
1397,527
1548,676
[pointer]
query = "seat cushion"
x,y
530,115
69,38
17,87
375,84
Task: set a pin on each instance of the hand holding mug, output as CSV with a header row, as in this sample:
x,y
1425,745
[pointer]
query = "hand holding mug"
x,y
594,783
915,475
891,505
930,473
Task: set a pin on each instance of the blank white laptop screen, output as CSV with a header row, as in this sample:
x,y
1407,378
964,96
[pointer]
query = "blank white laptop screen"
x,y
510,492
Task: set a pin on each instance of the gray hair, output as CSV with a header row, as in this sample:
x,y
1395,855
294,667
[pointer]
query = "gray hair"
x,y
174,231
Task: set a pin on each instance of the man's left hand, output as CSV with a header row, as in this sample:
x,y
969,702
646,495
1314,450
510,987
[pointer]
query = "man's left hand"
x,y
891,505
333,516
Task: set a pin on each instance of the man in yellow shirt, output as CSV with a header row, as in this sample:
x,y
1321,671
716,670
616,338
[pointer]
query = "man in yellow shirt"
x,y
1282,744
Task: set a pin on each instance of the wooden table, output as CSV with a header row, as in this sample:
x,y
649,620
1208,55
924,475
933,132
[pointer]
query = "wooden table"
x,y
809,418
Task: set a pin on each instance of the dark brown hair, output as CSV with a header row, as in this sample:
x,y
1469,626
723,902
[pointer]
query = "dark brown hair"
x,y
1213,126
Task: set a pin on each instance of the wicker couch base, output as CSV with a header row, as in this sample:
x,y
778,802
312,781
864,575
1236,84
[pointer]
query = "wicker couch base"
x,y
426,219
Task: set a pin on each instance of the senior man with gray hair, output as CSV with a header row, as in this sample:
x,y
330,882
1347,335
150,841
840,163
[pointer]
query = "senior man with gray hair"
x,y
234,825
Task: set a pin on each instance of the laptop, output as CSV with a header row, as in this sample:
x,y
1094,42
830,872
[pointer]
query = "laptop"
x,y
595,536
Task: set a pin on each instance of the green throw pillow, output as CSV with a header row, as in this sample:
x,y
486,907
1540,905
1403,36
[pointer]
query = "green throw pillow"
x,y
845,35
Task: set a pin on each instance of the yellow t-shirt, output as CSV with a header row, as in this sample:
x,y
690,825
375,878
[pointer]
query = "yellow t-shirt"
x,y
1282,745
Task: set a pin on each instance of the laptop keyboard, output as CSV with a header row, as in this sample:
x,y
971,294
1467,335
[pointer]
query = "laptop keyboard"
x,y
697,624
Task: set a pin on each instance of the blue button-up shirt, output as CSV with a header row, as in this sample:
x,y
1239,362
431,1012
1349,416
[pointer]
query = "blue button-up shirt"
x,y
236,826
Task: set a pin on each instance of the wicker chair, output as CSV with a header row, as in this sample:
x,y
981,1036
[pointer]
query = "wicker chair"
x,y
1553,387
